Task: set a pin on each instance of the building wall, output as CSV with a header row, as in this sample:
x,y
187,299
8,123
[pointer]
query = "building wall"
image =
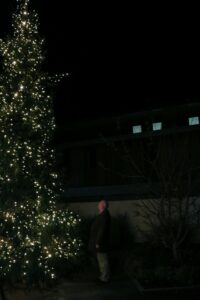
x,y
126,208
130,209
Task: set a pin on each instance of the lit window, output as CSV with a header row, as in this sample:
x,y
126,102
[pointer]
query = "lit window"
x,y
193,121
137,129
157,126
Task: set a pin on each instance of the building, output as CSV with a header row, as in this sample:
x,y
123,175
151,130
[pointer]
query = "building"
x,y
102,157
91,161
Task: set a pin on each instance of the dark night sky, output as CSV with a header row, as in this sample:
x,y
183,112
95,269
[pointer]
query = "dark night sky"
x,y
110,70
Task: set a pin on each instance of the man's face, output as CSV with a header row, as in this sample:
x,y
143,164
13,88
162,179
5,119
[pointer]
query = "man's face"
x,y
101,205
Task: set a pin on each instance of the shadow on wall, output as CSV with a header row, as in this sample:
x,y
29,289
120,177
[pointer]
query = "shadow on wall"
x,y
122,233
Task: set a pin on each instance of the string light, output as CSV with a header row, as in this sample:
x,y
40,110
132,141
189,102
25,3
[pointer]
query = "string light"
x,y
32,230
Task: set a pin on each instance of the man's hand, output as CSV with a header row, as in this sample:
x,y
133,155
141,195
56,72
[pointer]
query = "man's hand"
x,y
97,246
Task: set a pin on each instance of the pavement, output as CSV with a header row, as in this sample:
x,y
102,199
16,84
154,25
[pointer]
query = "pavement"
x,y
90,290
85,288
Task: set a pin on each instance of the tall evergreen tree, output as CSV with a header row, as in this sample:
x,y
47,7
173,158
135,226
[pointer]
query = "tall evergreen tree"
x,y
34,235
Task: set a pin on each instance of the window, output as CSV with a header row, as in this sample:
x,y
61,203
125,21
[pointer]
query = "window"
x,y
193,121
137,128
157,126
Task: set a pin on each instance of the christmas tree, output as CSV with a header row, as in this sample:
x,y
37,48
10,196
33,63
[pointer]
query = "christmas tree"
x,y
34,236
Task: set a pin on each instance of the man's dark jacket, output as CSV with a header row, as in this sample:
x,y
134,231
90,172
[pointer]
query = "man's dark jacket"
x,y
100,233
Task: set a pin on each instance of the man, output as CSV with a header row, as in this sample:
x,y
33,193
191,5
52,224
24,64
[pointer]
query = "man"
x,y
99,240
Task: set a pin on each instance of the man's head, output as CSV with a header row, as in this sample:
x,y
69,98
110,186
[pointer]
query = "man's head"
x,y
102,205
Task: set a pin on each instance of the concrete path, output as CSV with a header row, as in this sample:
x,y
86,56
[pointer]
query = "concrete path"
x,y
122,290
